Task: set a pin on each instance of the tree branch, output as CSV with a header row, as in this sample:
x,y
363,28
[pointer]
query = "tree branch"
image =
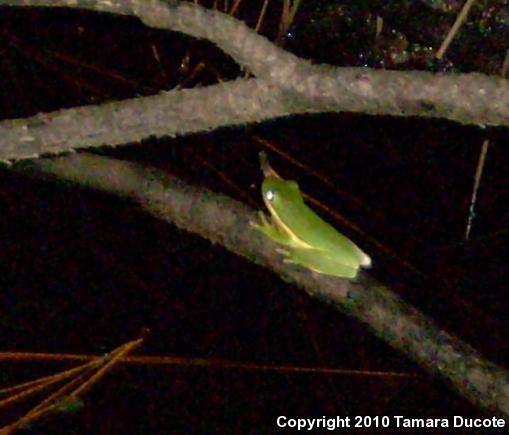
x,y
225,221
465,98
167,114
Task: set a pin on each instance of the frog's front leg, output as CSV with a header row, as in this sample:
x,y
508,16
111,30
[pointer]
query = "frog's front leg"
x,y
271,230
318,261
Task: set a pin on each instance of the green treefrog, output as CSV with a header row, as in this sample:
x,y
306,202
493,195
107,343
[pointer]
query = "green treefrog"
x,y
311,241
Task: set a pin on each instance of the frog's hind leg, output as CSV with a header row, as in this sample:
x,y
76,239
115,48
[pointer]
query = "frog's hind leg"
x,y
315,260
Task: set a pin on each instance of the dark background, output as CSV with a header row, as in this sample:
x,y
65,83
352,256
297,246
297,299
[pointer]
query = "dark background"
x,y
83,272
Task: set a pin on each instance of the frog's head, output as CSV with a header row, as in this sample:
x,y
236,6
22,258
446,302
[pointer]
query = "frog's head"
x,y
278,192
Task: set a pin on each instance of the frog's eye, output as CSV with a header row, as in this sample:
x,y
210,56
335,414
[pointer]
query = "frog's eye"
x,y
270,195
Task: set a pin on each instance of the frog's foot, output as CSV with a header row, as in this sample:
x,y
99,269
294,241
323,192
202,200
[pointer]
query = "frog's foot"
x,y
264,223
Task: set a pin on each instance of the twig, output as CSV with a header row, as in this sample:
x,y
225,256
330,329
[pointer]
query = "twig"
x,y
460,19
210,363
477,182
69,392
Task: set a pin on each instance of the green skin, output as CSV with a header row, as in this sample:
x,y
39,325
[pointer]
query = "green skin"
x,y
311,241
